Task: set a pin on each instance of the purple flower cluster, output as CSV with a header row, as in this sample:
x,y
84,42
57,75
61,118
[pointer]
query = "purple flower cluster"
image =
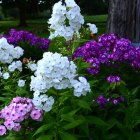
x,y
18,110
108,50
102,100
113,79
16,37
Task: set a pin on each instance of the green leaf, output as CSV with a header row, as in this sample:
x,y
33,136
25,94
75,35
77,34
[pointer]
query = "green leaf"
x,y
73,124
2,99
45,137
43,128
136,100
81,40
111,123
96,121
84,104
136,136
3,138
134,91
67,136
137,120
122,129
72,113
69,116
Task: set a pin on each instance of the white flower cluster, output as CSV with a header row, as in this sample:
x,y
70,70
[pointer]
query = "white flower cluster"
x,y
15,65
43,101
9,52
53,70
92,28
66,20
81,87
56,71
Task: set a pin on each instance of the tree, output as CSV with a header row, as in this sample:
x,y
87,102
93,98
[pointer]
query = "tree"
x,y
33,8
25,7
94,6
124,18
21,5
47,4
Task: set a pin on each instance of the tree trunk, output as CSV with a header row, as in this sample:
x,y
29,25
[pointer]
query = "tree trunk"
x,y
33,5
22,17
138,21
124,18
21,5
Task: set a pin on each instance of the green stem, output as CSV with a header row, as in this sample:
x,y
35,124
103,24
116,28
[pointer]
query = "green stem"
x,y
57,117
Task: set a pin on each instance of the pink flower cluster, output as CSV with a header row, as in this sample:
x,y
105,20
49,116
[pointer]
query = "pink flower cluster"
x,y
19,110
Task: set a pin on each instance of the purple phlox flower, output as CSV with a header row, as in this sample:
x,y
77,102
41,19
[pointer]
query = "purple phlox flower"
x,y
101,100
109,49
16,37
115,101
113,79
121,99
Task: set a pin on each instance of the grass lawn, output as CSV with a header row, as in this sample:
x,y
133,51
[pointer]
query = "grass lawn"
x,y
40,26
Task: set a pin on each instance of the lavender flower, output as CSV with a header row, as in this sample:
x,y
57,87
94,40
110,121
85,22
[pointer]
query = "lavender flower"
x,y
2,130
18,110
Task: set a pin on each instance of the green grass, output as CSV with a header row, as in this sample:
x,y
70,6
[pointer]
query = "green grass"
x,y
96,18
40,26
37,28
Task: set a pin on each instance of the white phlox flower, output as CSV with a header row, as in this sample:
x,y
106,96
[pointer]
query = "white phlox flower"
x,y
9,52
21,83
43,101
93,28
55,70
65,20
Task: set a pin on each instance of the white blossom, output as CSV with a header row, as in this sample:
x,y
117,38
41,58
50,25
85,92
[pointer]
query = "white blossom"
x,y
55,70
81,86
32,66
21,83
6,75
43,101
65,20
8,52
15,65
92,28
